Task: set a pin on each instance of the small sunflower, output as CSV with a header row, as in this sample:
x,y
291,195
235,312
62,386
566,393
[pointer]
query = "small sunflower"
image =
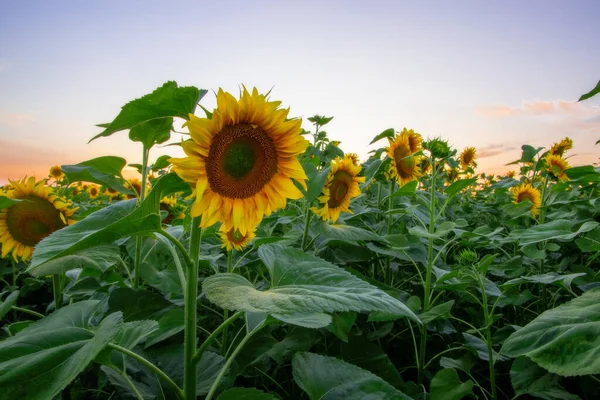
x,y
233,239
557,165
242,161
93,191
404,166
340,187
558,149
524,192
25,224
452,174
56,172
511,174
467,158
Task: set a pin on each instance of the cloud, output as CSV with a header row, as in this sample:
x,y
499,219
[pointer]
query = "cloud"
x,y
15,120
540,108
494,149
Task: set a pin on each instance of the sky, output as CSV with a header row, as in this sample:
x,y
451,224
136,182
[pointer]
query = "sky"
x,y
494,75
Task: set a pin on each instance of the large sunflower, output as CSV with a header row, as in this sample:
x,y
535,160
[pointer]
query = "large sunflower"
x,y
39,213
340,187
467,158
242,161
233,239
405,165
559,148
557,165
525,192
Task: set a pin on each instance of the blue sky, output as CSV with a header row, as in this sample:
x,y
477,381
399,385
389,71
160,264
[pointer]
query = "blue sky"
x,y
494,75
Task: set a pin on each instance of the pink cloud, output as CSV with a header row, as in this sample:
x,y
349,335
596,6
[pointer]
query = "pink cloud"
x,y
539,107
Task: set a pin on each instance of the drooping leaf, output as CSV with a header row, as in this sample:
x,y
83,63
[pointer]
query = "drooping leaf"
x,y
100,258
560,229
459,185
591,93
46,356
328,378
300,284
439,311
546,279
347,233
169,100
476,344
8,302
564,340
388,133
104,170
446,385
529,379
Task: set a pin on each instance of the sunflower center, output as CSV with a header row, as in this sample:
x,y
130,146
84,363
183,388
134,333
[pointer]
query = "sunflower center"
x,y
338,190
241,160
33,219
235,236
524,196
405,165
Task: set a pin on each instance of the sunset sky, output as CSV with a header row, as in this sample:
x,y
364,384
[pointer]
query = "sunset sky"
x,y
494,75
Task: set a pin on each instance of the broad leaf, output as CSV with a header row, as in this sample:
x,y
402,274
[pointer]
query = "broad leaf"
x,y
529,379
300,284
100,258
439,311
347,233
315,185
388,133
102,170
43,358
6,202
152,132
459,185
5,305
138,304
446,385
328,378
564,340
561,229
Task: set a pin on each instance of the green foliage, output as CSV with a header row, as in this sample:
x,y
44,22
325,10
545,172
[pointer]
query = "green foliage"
x,y
591,93
102,170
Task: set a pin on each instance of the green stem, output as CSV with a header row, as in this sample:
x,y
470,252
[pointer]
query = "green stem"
x,y
27,311
188,260
428,273
190,368
390,206
131,385
57,290
225,368
214,335
307,215
226,311
151,366
138,241
488,338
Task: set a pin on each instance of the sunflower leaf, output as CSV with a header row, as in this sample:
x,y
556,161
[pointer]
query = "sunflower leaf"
x,y
388,133
8,303
101,170
6,202
591,93
300,284
316,184
167,101
152,132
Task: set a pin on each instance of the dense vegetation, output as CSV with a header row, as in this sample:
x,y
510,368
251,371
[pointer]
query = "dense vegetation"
x,y
267,266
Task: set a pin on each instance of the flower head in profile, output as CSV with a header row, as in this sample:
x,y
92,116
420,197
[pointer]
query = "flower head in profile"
x,y
559,149
467,158
340,187
556,165
404,165
38,213
243,161
526,192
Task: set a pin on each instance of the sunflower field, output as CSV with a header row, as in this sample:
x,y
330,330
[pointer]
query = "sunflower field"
x,y
269,264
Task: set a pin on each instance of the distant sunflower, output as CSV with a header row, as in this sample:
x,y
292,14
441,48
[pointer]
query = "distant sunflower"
x,y
25,224
170,201
242,161
525,192
452,174
93,191
136,185
405,165
511,174
233,239
340,187
425,165
56,172
557,165
558,149
467,158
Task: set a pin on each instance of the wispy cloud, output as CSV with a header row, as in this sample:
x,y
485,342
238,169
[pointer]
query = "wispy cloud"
x,y
494,149
539,107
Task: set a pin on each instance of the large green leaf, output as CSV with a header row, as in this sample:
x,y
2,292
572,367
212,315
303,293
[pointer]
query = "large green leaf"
x,y
560,229
138,304
152,132
328,378
116,221
104,170
100,258
459,185
446,385
169,100
42,359
528,378
564,340
388,133
300,284
315,184
347,233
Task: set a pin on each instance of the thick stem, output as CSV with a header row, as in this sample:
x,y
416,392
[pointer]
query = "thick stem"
x,y
388,260
214,335
151,366
307,215
57,291
190,368
428,273
488,339
239,347
138,241
226,311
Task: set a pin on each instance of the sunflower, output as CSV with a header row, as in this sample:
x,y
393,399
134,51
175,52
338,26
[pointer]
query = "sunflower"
x,y
233,239
558,149
56,172
170,201
242,161
93,191
467,158
511,174
557,165
415,141
452,174
404,166
354,157
341,186
524,192
25,223
425,165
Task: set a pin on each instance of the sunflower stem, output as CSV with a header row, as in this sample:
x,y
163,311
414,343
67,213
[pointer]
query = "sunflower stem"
x,y
307,215
190,333
138,240
226,311
213,336
57,290
388,260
